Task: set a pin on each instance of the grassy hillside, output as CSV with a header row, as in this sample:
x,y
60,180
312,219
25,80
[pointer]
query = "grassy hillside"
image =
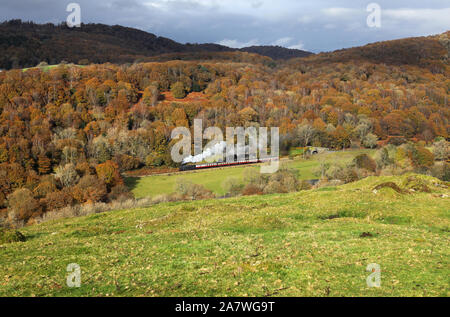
x,y
213,179
313,243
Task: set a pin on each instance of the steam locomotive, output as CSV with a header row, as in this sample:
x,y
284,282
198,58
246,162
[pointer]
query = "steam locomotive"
x,y
193,167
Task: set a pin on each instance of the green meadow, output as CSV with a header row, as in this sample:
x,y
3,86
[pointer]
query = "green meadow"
x,y
311,243
213,179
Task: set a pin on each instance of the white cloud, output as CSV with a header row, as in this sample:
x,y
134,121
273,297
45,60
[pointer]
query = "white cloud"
x,y
299,46
429,17
305,19
238,44
283,41
340,12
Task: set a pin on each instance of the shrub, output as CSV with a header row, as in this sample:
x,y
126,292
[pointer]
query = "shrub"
x,y
383,159
274,187
47,185
108,172
333,171
126,162
120,193
67,175
167,198
233,187
22,206
370,141
58,199
414,183
83,169
441,150
348,175
397,141
441,170
10,236
192,191
366,162
283,181
305,185
89,188
255,178
252,190
178,90
421,157
402,159
154,160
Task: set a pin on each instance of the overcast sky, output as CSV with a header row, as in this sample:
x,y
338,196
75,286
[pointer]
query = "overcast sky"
x,y
314,25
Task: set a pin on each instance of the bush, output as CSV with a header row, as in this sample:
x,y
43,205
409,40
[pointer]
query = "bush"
x,y
349,175
252,190
274,187
10,236
397,141
126,162
305,185
178,90
287,178
383,159
441,170
108,172
167,198
83,169
47,185
421,157
346,174
22,206
283,181
120,193
370,141
89,188
59,199
192,191
154,160
67,175
441,150
233,187
364,161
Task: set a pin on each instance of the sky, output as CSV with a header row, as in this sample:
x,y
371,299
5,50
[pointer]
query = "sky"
x,y
314,25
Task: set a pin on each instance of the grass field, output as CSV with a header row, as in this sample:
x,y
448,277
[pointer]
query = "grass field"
x,y
213,179
311,243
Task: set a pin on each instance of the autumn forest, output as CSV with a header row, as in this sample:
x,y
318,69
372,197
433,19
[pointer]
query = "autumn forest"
x,y
68,133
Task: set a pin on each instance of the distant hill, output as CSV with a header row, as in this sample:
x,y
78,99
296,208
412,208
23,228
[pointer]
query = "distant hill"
x,y
25,44
431,52
276,52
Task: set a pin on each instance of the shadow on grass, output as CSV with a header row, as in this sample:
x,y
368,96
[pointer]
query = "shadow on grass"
x,y
131,182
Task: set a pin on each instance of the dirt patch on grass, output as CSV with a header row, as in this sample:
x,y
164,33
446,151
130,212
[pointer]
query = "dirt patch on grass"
x,y
366,235
392,186
345,214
